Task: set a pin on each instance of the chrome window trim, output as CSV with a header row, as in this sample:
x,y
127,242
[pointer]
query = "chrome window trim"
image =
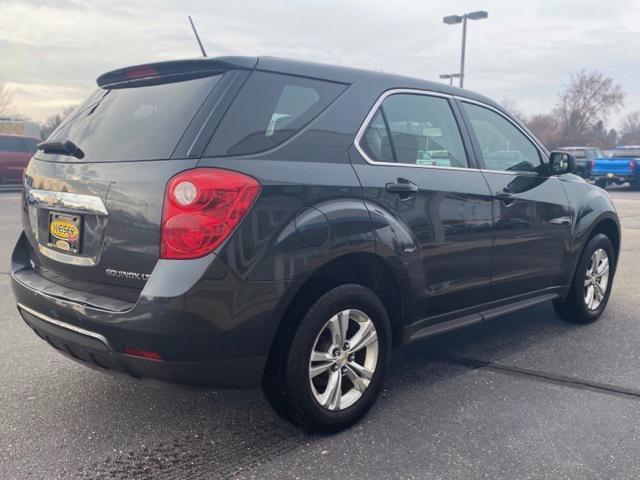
x,y
64,325
374,109
71,201
541,149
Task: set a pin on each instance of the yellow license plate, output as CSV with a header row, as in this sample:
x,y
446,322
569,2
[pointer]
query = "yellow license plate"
x,y
65,231
610,175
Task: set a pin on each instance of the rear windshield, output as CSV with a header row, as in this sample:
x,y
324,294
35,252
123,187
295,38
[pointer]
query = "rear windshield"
x,y
626,153
270,109
138,123
17,144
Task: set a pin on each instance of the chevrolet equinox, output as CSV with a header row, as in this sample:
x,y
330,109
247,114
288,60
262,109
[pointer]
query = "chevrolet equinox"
x,y
237,222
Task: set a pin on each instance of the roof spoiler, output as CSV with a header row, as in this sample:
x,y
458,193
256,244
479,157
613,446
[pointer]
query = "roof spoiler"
x,y
176,70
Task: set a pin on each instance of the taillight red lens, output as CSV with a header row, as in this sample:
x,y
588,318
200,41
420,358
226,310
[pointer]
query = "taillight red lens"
x,y
632,165
201,209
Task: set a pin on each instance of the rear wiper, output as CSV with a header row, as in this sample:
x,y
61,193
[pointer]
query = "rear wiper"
x,y
63,148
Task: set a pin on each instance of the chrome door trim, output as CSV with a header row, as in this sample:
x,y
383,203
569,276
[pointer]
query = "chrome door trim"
x,y
58,323
374,109
66,200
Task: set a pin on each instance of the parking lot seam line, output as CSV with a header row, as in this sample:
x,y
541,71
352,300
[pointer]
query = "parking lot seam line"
x,y
571,382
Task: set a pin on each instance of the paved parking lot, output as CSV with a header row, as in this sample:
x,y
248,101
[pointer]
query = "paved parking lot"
x,y
526,396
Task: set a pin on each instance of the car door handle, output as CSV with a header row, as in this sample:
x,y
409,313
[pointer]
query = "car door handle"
x,y
402,187
506,197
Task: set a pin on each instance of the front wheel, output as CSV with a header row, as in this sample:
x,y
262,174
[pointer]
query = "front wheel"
x,y
591,285
331,370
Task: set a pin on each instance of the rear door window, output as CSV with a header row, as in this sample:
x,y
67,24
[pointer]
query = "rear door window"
x,y
415,129
270,109
135,123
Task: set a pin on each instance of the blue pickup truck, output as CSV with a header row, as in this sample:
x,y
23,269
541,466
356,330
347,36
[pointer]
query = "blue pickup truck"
x,y
622,166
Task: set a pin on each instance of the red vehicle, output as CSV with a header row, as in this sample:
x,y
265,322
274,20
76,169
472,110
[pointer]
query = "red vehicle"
x,y
15,153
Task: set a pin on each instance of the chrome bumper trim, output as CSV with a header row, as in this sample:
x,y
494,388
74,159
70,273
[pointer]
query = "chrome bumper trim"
x,y
64,325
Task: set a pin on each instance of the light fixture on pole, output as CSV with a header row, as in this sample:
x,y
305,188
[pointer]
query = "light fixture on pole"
x,y
450,77
454,20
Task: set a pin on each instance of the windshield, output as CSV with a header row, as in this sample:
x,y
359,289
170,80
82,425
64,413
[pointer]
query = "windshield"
x,y
141,123
626,153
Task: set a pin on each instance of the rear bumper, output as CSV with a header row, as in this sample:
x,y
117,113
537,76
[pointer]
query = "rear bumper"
x,y
209,327
612,177
95,351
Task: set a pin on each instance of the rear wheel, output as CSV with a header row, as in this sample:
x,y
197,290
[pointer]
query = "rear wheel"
x,y
331,367
591,285
601,183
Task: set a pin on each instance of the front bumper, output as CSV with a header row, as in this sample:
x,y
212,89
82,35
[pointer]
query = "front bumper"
x,y
209,327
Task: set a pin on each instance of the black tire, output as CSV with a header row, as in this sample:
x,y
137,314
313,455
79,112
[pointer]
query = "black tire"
x,y
601,184
635,185
574,307
287,385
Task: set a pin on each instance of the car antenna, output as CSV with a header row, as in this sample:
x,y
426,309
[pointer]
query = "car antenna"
x,y
195,32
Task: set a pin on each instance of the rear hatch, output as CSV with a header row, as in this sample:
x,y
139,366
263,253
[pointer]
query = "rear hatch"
x,y
94,191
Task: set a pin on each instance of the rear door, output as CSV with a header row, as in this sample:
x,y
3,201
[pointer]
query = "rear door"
x,y
430,206
531,210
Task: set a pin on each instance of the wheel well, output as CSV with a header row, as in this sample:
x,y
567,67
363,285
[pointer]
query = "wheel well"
x,y
609,228
365,269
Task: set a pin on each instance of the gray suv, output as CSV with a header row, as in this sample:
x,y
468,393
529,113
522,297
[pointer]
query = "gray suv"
x,y
237,222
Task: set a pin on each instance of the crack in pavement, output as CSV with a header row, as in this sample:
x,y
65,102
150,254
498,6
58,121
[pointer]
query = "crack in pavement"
x,y
564,380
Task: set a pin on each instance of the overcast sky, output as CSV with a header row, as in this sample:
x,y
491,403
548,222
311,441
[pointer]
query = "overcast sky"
x,y
51,52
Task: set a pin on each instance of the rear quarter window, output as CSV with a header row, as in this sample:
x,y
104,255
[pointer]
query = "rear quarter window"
x,y
269,110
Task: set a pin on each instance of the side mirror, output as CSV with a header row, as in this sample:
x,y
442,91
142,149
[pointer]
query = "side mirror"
x,y
561,162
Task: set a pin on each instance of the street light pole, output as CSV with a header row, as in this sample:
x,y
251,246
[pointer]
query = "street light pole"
x,y
455,19
464,48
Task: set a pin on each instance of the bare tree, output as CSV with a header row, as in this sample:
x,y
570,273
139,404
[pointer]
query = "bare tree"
x,y
512,107
5,98
546,127
54,121
630,132
589,98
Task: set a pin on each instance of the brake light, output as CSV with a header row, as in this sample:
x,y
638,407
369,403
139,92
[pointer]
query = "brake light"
x,y
632,165
202,207
140,72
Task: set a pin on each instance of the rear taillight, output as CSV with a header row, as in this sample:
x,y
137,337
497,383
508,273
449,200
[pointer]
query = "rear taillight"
x,y
632,165
201,209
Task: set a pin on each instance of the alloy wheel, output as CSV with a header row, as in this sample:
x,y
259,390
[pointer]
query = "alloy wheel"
x,y
343,359
597,279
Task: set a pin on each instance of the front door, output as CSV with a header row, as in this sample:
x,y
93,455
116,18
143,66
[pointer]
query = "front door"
x,y
430,206
531,210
